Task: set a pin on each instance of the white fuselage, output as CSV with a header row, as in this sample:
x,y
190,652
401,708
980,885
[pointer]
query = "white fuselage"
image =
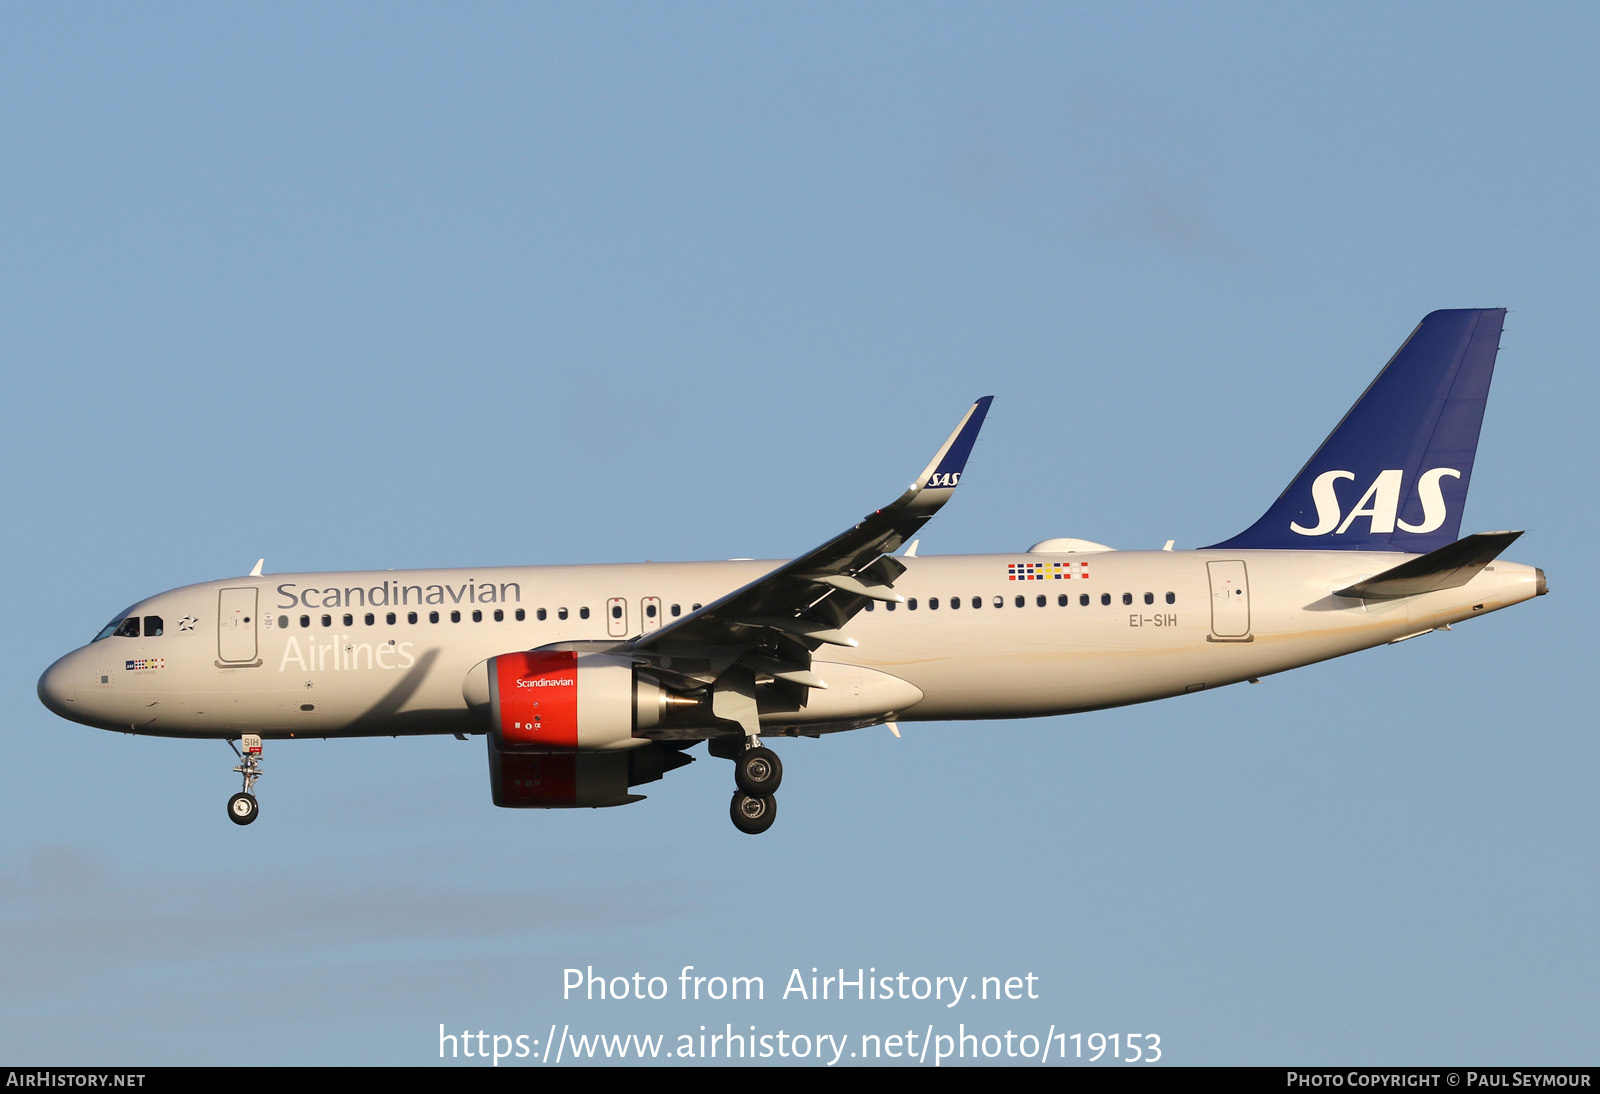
x,y
386,652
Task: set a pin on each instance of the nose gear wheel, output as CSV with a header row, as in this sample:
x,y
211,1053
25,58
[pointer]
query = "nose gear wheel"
x,y
242,807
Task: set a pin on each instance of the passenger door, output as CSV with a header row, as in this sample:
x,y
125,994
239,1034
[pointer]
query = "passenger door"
x,y
236,627
1230,601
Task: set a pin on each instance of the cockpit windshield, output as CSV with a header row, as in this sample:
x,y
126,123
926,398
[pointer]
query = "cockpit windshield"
x,y
123,626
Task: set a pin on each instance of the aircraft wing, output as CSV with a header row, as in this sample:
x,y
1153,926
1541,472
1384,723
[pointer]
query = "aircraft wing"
x,y
762,635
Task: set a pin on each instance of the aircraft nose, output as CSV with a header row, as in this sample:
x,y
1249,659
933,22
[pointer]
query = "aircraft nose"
x,y
58,688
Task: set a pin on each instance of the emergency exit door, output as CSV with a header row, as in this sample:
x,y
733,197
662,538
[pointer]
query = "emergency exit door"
x,y
617,617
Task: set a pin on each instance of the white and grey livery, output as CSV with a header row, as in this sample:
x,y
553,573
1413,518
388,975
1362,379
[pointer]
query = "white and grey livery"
x,y
590,680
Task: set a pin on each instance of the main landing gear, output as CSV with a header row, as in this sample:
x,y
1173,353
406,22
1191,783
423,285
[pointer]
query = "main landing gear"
x,y
242,807
753,814
758,772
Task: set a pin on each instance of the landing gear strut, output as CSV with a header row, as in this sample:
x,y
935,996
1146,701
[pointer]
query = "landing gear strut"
x,y
242,807
758,772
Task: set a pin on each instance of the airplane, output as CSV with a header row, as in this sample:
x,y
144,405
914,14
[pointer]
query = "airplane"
x,y
587,681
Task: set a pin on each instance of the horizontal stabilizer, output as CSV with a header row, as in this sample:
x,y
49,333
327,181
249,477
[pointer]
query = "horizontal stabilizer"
x,y
1450,567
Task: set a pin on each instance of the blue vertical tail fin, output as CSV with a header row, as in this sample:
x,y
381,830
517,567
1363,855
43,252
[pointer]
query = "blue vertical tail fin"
x,y
1393,474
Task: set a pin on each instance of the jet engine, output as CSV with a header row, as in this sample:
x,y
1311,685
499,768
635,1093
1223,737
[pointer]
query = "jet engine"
x,y
569,701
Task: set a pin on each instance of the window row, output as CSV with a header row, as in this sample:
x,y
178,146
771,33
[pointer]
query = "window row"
x,y
1041,600
370,619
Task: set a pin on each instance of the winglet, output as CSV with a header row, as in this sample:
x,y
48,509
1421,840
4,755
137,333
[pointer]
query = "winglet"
x,y
939,479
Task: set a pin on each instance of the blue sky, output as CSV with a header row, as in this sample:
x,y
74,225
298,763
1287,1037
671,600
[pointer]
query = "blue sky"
x,y
353,286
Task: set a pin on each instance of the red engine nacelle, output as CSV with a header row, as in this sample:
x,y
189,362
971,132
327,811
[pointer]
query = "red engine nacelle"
x,y
576,780
564,701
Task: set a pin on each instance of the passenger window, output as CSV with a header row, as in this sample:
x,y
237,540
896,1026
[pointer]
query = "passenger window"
x,y
933,603
1149,598
955,602
1127,598
871,605
694,607
1083,600
129,628
676,611
911,605
1041,599
616,611
583,613
283,622
152,626
411,617
1105,598
349,620
305,621
561,613
521,615
977,602
327,620
389,619
890,606
433,617
370,619
543,615
455,616
1063,600
1171,599
649,611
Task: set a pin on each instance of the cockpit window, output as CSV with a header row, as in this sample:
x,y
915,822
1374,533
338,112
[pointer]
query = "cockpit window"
x,y
127,628
124,625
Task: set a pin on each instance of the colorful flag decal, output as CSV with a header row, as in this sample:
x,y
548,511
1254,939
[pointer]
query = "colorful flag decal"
x,y
1046,571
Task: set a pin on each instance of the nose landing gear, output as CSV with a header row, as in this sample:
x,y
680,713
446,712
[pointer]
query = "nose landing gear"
x,y
242,807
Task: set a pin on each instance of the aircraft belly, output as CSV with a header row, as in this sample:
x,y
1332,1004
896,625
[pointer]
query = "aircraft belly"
x,y
1114,670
